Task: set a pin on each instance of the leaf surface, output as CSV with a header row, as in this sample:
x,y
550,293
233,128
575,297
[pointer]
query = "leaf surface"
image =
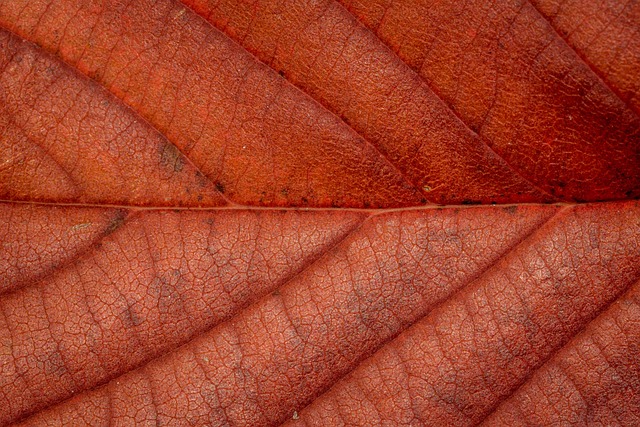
x,y
255,213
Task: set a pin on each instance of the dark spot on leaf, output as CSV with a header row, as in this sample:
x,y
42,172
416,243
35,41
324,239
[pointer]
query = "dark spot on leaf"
x,y
220,187
451,397
54,365
168,288
171,157
594,238
115,222
470,202
131,318
511,209
202,180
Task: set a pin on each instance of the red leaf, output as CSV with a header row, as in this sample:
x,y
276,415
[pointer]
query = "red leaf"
x,y
221,213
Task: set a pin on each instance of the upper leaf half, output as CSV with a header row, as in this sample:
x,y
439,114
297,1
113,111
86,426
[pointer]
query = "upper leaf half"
x,y
477,103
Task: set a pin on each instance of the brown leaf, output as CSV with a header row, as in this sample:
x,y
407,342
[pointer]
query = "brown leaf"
x,y
220,213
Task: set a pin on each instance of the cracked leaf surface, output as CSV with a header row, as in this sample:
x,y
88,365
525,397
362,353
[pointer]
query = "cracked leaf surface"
x,y
255,213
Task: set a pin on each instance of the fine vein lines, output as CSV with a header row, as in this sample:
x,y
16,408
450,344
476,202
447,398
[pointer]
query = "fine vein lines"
x,y
438,304
451,110
109,229
315,100
596,72
309,264
138,116
596,315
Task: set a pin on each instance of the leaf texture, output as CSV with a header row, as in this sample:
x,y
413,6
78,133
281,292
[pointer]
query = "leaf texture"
x,y
254,213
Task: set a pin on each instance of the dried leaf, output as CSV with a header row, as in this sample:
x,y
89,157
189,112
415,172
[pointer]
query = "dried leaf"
x,y
254,213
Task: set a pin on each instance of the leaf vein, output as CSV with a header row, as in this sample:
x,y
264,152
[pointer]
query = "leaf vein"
x,y
316,101
582,58
596,315
389,341
144,365
108,92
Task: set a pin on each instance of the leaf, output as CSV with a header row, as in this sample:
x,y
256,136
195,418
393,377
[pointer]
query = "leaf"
x,y
231,213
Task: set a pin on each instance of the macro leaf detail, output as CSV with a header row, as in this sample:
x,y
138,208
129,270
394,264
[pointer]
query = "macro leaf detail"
x,y
312,213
